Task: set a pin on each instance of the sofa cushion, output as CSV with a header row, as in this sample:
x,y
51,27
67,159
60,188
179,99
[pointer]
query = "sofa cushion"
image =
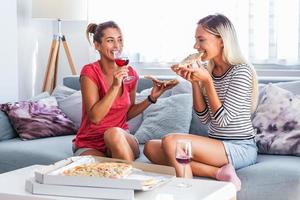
x,y
169,115
6,130
277,121
272,177
38,119
197,127
16,153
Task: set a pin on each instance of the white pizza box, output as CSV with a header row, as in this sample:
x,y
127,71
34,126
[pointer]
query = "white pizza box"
x,y
143,172
78,191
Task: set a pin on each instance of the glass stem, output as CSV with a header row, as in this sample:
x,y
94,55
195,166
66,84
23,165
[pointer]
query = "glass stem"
x,y
183,169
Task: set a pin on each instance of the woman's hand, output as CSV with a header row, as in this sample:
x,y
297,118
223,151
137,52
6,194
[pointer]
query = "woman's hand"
x,y
193,74
119,75
199,73
184,72
159,87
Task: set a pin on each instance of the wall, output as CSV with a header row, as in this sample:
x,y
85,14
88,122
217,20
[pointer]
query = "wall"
x,y
34,41
8,52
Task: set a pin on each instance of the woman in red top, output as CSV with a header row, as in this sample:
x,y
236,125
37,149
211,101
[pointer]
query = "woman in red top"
x,y
108,102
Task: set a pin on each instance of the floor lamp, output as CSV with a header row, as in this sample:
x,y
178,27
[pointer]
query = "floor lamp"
x,y
58,10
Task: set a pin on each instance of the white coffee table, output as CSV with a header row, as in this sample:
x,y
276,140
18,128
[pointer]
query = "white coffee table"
x,y
12,187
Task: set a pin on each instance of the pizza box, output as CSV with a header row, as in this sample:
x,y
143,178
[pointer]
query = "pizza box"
x,y
143,177
78,191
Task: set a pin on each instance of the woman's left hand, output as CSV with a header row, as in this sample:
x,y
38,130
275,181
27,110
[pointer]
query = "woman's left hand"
x,y
159,87
197,74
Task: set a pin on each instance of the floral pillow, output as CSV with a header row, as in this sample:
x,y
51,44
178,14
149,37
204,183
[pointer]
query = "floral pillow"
x,y
277,120
38,119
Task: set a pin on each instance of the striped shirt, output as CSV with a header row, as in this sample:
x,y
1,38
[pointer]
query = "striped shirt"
x,y
233,119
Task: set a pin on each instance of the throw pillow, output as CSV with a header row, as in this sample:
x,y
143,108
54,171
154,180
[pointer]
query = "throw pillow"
x,y
183,87
6,129
169,115
277,120
40,96
72,107
38,119
292,86
61,92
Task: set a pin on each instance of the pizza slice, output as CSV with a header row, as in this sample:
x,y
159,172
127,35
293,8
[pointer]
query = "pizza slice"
x,y
171,82
189,60
106,170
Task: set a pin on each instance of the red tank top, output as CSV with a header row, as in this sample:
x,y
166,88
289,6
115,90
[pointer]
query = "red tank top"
x,y
90,135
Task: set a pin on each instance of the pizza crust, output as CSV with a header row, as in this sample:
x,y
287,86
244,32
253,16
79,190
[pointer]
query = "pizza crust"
x,y
106,170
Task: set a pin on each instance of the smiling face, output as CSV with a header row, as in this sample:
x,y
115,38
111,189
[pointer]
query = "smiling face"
x,y
208,43
111,41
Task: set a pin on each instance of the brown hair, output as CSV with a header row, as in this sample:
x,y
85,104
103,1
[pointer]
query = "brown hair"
x,y
96,30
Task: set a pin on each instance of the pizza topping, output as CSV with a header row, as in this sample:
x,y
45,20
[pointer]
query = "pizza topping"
x,y
107,170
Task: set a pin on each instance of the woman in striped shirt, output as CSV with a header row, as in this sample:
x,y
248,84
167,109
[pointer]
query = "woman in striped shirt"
x,y
224,96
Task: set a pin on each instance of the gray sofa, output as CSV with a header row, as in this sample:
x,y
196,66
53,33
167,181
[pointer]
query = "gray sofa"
x,y
272,177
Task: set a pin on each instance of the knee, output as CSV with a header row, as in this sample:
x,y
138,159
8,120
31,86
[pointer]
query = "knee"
x,y
169,141
113,136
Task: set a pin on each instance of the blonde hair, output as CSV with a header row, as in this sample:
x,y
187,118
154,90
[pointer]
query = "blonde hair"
x,y
220,26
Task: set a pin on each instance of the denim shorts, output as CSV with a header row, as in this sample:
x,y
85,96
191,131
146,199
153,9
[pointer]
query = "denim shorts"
x,y
79,151
241,153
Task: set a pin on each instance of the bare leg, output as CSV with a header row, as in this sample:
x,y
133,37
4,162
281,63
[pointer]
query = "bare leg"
x,y
200,169
120,144
209,153
93,152
134,145
155,153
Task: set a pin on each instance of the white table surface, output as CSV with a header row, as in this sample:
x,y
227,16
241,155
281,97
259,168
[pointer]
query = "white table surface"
x,y
12,187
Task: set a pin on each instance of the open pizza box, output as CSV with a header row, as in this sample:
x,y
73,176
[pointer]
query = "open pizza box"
x,y
141,177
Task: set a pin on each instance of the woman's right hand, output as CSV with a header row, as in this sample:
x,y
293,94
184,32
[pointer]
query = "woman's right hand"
x,y
119,75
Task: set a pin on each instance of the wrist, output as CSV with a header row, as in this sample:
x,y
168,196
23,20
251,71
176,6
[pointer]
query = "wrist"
x,y
207,81
151,99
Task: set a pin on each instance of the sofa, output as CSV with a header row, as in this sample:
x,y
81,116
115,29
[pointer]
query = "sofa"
x,y
273,177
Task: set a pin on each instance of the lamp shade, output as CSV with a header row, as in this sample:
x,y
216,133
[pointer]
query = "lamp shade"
x,y
60,9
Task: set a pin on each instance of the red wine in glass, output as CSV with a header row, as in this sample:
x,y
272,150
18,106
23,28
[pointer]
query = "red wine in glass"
x,y
122,61
183,159
183,155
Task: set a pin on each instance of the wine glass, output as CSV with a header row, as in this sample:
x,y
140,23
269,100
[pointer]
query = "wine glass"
x,y
121,59
183,156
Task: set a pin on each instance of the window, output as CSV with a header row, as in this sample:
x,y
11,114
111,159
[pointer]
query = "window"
x,y
163,31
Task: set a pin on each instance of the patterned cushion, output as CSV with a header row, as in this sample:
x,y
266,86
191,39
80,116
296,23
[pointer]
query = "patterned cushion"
x,y
38,119
277,120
